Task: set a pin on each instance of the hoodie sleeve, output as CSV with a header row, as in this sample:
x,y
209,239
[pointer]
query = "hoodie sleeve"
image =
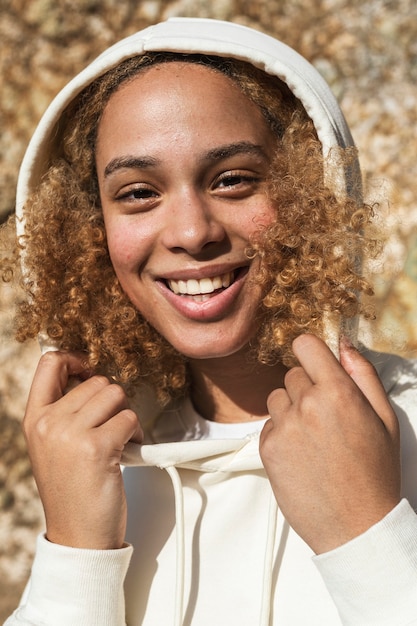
x,y
74,586
373,578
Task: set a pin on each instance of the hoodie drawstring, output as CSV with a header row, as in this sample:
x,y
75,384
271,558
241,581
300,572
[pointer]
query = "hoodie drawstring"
x,y
268,570
269,562
180,530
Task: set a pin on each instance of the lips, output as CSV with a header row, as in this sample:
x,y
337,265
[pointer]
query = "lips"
x,y
204,299
202,286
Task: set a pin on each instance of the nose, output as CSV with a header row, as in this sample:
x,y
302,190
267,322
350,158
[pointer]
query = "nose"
x,y
192,223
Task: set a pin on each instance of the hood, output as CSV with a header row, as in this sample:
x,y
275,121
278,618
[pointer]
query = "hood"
x,y
204,36
214,37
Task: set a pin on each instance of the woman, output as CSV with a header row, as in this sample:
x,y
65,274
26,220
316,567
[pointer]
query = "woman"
x,y
190,220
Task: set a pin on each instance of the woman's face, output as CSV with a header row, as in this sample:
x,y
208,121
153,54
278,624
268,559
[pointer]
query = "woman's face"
x,y
182,158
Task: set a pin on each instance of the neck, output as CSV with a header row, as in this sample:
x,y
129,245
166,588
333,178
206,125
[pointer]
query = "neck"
x,y
233,388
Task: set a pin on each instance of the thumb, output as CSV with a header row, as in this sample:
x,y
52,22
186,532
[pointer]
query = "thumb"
x,y
364,375
138,435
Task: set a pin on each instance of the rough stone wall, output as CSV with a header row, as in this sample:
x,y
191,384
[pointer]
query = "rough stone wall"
x,y
366,50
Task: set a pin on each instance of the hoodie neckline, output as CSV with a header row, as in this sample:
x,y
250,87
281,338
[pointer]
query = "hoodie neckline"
x,y
183,423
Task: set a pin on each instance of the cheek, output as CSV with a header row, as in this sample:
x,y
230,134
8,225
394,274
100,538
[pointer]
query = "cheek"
x,y
123,248
267,212
255,223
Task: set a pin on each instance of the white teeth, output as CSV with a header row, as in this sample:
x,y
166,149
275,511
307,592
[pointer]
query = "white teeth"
x,y
218,283
203,286
193,288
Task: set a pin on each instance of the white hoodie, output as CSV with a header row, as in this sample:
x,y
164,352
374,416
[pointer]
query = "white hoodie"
x,y
208,545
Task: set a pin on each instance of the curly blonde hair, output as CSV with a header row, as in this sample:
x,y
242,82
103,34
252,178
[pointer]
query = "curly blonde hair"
x,y
307,256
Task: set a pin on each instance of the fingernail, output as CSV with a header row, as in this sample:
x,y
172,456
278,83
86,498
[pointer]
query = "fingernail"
x,y
346,342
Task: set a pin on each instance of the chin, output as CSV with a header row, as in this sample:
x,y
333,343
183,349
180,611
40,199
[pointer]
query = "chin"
x,y
213,350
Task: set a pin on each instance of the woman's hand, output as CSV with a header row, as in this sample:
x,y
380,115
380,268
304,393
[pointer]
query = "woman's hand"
x,y
75,442
331,448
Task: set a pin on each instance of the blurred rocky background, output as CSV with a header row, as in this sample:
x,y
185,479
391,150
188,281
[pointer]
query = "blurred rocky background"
x,y
366,50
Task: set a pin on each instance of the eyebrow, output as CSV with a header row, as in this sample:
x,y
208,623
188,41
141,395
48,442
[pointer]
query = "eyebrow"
x,y
216,154
129,162
230,150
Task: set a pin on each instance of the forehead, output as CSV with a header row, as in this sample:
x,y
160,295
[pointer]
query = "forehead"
x,y
176,96
179,78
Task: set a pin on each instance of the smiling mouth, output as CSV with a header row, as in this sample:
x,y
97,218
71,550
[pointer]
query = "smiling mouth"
x,y
201,289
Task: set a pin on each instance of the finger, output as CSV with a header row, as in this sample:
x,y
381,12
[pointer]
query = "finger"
x,y
297,382
122,428
365,377
278,402
52,375
100,407
103,403
316,358
77,397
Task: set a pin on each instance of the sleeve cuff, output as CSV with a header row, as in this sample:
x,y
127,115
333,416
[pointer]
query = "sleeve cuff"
x,y
76,586
373,578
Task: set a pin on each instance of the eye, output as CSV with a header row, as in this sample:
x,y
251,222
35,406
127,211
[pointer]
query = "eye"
x,y
237,183
139,197
233,179
137,193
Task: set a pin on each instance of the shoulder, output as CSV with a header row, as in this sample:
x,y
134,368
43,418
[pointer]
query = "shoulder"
x,y
398,375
